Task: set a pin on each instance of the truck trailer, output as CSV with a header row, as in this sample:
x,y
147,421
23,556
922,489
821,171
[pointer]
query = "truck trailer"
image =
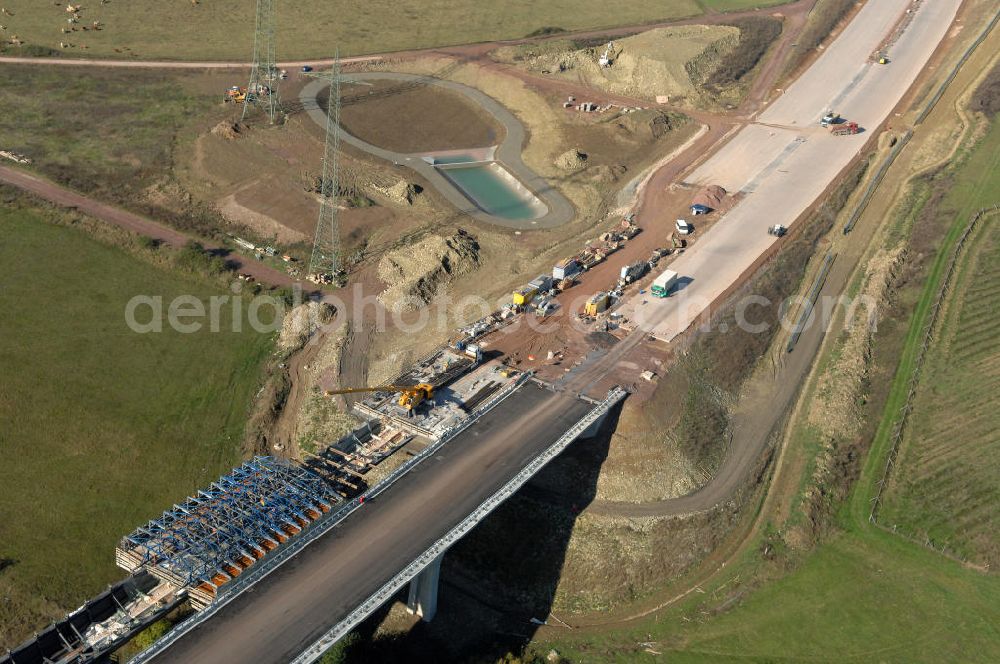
x,y
630,273
664,283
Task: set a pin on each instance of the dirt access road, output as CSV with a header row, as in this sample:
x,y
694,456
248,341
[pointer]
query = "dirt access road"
x,y
800,8
60,195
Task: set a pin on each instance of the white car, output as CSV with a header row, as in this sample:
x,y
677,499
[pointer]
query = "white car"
x,y
683,227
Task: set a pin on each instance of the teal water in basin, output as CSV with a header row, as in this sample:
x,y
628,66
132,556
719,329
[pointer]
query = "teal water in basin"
x,y
492,193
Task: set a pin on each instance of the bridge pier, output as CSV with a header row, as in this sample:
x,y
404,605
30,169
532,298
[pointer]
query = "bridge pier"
x,y
423,597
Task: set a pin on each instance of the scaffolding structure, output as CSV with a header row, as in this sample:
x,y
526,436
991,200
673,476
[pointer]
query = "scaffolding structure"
x,y
324,264
214,535
262,91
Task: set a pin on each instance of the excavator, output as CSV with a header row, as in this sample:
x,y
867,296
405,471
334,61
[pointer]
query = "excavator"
x,y
410,396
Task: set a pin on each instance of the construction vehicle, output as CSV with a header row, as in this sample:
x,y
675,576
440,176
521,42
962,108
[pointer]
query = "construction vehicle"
x,y
663,283
236,94
596,304
631,272
777,230
522,296
410,396
606,59
883,59
829,119
845,129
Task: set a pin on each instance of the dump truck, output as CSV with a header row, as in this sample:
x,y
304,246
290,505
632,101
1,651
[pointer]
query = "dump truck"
x,y
845,129
596,304
664,283
522,296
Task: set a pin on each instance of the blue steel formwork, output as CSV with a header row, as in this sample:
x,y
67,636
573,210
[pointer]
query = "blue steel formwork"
x,y
222,529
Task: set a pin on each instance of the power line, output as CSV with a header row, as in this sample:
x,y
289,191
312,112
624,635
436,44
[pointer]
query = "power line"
x,y
325,263
262,91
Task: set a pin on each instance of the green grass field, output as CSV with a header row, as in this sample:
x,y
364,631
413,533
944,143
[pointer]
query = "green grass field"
x,y
223,29
858,598
100,428
944,486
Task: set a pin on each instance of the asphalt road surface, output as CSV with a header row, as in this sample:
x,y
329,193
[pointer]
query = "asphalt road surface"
x,y
783,163
296,604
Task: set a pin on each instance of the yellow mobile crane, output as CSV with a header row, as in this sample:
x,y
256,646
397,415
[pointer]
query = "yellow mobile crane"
x,y
410,396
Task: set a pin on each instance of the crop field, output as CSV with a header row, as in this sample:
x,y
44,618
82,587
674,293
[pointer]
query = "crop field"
x,y
223,29
944,486
101,428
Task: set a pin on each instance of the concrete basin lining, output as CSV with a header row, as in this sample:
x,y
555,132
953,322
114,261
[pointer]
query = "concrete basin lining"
x,y
558,209
525,196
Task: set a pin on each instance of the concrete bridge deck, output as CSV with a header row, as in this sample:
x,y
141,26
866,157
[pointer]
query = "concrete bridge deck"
x,y
294,606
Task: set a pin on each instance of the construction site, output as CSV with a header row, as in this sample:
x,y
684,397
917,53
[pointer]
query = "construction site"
x,y
576,214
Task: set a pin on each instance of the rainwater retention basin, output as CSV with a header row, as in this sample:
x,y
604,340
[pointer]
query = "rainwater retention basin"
x,y
491,188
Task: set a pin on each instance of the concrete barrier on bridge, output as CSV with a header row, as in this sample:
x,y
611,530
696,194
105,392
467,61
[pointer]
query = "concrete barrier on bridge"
x,y
424,595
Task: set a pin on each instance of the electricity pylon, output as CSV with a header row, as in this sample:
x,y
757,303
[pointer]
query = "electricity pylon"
x,y
324,265
262,91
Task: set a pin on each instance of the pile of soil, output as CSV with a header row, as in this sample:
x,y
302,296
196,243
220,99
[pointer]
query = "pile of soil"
x,y
300,323
228,130
667,61
571,160
401,193
415,274
710,196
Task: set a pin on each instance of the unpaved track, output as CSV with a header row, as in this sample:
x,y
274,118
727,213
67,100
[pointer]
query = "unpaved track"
x,y
793,9
64,197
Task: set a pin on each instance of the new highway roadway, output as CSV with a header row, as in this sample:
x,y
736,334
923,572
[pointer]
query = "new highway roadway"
x,y
291,608
782,163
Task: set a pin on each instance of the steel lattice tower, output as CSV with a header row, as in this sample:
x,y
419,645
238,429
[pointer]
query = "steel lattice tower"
x,y
262,91
325,260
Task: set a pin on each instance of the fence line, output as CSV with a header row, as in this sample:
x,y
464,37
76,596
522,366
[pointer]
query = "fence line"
x,y
954,72
908,134
807,306
928,333
876,180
